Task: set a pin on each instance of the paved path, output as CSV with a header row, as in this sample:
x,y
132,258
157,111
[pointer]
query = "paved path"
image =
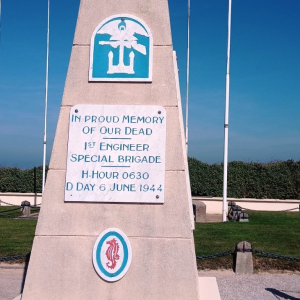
x,y
262,286
11,281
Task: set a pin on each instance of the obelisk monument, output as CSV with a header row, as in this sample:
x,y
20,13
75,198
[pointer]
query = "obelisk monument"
x,y
116,219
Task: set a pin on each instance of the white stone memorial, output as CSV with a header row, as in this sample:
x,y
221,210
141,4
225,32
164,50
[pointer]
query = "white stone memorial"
x,y
116,220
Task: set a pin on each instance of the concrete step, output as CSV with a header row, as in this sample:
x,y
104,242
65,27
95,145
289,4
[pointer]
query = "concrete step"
x,y
209,288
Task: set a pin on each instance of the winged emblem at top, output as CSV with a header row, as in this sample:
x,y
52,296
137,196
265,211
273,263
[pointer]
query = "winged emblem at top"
x,y
122,34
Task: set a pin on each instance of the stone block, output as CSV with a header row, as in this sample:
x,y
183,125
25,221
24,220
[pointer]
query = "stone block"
x,y
244,259
160,92
63,267
199,211
26,211
91,13
60,218
60,146
26,208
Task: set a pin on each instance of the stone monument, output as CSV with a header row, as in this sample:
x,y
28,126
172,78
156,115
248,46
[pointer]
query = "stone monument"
x,y
244,259
116,220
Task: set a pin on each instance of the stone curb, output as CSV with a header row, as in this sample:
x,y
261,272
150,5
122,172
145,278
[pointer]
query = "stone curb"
x,y
12,266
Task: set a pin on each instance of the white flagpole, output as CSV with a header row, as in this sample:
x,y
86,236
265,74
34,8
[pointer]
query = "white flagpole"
x,y
226,117
187,80
46,101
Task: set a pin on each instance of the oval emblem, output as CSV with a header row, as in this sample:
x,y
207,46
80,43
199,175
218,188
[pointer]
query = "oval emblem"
x,y
112,254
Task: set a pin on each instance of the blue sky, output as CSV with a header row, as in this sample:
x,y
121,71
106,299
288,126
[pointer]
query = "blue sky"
x,y
264,122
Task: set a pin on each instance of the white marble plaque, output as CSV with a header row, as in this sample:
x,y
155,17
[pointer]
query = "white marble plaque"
x,y
116,153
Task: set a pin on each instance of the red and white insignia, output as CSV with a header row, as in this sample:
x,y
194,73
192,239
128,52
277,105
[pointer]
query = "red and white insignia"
x,y
112,254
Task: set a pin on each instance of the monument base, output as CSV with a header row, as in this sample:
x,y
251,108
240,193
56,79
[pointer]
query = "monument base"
x,y
209,288
63,270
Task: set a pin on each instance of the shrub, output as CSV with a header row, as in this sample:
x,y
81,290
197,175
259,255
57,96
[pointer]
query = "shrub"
x,y
15,180
275,180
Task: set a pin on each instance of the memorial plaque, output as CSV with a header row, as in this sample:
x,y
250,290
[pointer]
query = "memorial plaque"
x,y
116,154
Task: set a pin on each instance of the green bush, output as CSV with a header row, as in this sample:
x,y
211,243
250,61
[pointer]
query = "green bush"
x,y
15,180
275,180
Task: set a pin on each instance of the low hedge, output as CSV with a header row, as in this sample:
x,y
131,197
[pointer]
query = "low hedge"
x,y
275,180
15,180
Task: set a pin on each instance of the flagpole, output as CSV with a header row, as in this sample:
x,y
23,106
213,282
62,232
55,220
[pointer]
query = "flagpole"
x,y
226,117
187,79
46,101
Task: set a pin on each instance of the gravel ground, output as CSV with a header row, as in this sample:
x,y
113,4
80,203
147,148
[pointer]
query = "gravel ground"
x,y
262,286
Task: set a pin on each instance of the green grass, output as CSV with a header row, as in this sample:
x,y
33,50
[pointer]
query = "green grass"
x,y
275,232
16,235
10,210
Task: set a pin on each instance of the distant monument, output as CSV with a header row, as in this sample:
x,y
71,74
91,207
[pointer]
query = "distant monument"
x,y
116,220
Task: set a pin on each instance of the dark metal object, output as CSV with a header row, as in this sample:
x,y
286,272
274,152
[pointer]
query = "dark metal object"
x,y
25,203
296,208
5,211
221,254
10,258
3,214
247,247
234,212
243,217
11,215
278,256
8,203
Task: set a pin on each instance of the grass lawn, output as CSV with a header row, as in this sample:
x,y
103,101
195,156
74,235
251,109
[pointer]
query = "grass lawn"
x,y
16,235
268,231
275,232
